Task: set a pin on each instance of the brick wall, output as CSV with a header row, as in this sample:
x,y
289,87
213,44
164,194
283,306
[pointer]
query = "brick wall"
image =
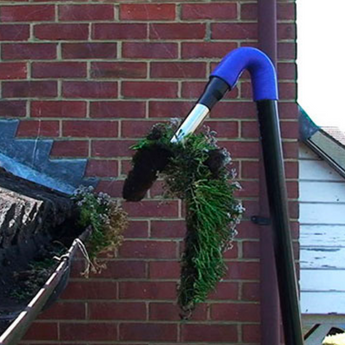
x,y
95,76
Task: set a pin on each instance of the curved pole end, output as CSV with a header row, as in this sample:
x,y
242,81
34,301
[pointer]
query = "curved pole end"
x,y
260,67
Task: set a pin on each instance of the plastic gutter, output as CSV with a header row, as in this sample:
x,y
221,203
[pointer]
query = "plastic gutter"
x,y
269,294
20,325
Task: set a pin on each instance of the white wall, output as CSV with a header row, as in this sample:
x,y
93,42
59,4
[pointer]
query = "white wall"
x,y
322,237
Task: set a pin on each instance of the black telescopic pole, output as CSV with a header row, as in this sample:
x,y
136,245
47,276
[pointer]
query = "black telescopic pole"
x,y
265,92
277,196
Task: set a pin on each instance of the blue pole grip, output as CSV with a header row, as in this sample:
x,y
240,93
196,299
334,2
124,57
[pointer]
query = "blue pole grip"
x,y
260,67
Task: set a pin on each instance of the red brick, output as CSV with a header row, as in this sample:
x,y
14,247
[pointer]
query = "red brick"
x,y
65,311
243,270
12,108
228,31
147,12
251,292
231,253
287,71
238,110
164,269
19,89
89,89
90,129
25,13
149,89
112,148
137,229
58,70
89,50
169,109
18,32
86,12
127,70
38,129
251,250
247,229
148,249
69,148
101,168
291,169
126,166
287,51
157,190
171,312
249,11
42,331
88,331
117,311
211,11
289,129
286,11
185,70
136,129
61,31
224,129
249,129
148,290
251,208
225,291
242,149
9,70
287,91
29,51
292,189
112,187
288,110
118,31
194,89
201,50
148,332
290,149
209,333
251,333
244,312
250,169
249,189
124,270
59,109
152,209
177,31
86,289
286,31
168,229
117,109
149,50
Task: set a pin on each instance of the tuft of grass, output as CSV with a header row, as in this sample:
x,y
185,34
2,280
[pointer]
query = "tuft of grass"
x,y
198,174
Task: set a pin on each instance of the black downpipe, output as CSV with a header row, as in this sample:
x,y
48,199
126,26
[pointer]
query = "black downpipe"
x,y
277,196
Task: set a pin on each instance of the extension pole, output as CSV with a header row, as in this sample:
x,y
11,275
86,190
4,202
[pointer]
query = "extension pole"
x,y
264,83
277,198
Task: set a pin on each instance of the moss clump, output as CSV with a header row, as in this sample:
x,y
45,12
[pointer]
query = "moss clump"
x,y
107,220
197,172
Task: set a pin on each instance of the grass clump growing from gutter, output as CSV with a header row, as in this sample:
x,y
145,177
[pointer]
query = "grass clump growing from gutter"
x,y
197,172
107,221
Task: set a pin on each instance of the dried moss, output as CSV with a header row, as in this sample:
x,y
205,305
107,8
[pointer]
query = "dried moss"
x,y
107,220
